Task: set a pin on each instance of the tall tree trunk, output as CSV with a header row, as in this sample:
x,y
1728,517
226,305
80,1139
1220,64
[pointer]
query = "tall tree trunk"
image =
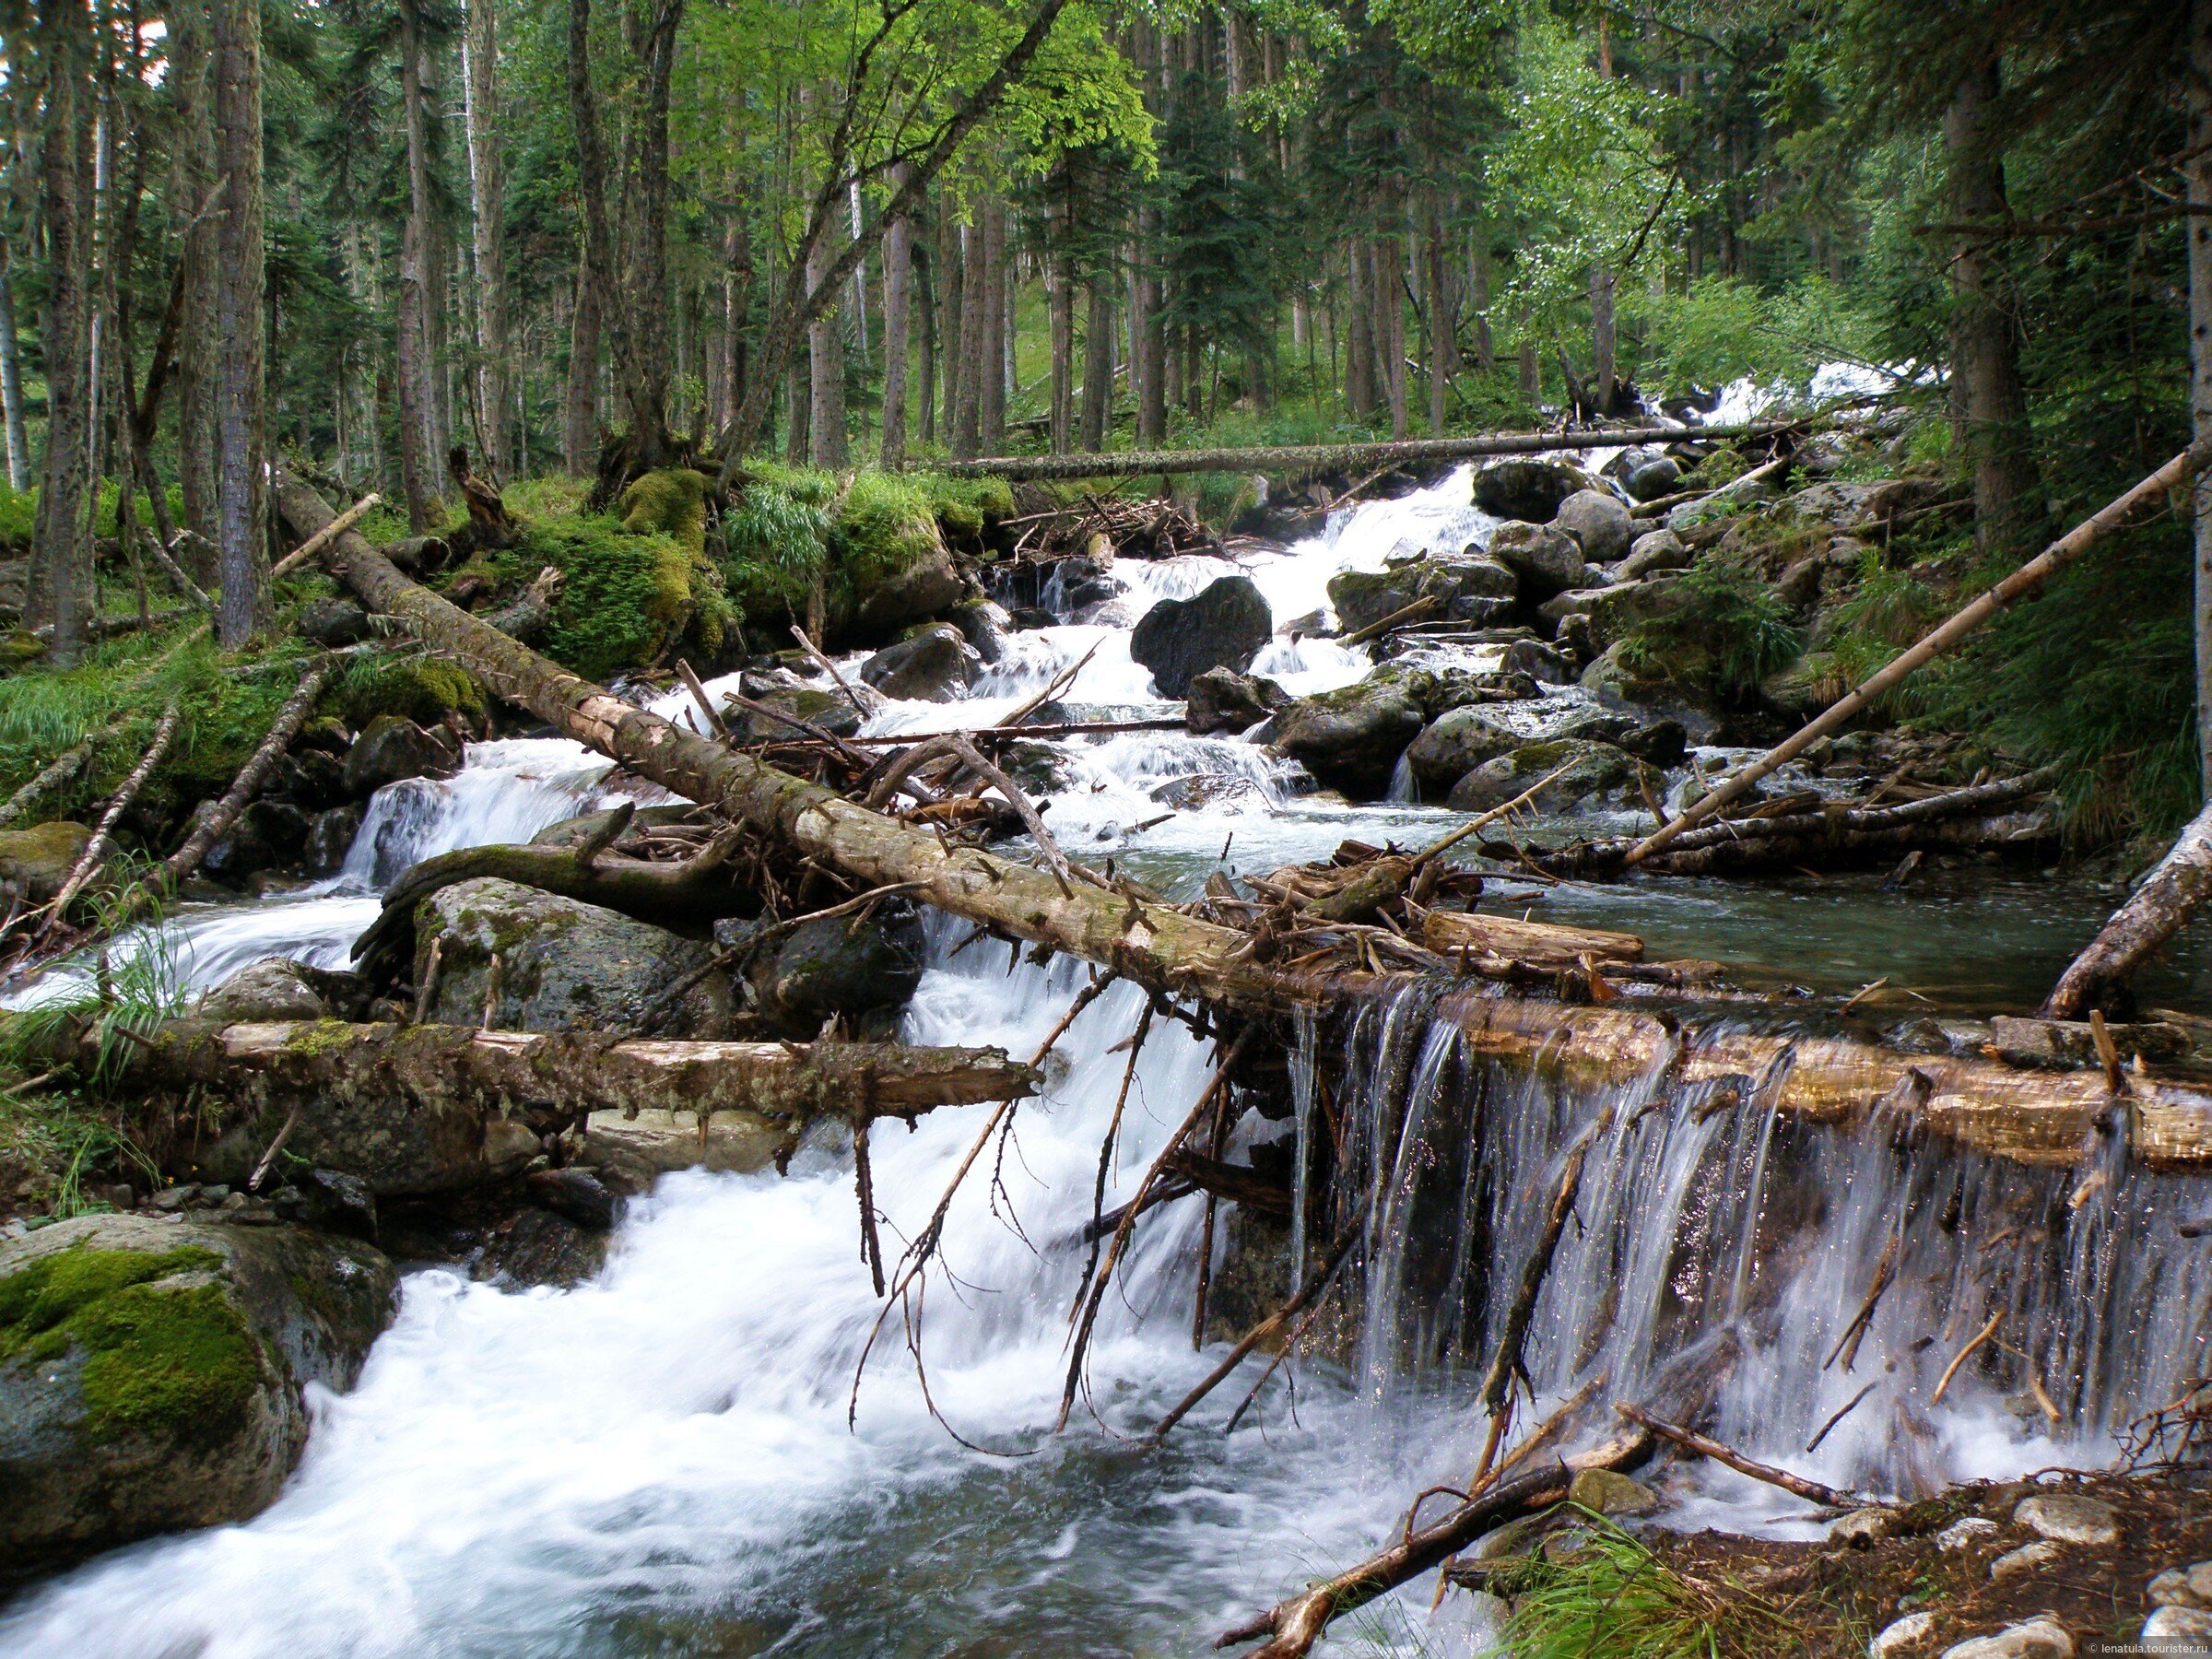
x,y
1601,339
1097,364
1531,371
826,361
975,357
925,264
1149,323
11,379
1443,349
951,285
241,482
1360,350
418,395
736,305
1389,329
2008,509
486,188
580,427
1478,300
991,361
898,294
191,180
1060,300
61,572
2198,176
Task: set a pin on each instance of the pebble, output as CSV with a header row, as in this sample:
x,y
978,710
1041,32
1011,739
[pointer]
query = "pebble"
x,y
1611,1493
2171,1588
2177,1631
1964,1534
1861,1527
2067,1519
2200,1582
2041,1637
2026,1557
1908,1632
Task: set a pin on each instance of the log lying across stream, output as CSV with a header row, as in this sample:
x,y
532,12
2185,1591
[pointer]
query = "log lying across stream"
x,y
2037,1117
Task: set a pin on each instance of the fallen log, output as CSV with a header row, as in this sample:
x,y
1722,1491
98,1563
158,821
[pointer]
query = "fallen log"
x,y
313,545
2158,910
1547,947
61,769
417,1109
1812,1491
103,838
2004,833
250,776
2038,1117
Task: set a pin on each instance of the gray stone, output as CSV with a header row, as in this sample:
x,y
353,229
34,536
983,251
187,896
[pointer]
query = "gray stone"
x,y
265,836
1655,478
2177,1631
1221,700
1521,489
2068,1518
2200,1582
1598,522
1351,738
1611,1493
2041,1637
538,1247
985,625
832,710
1902,1636
1861,1527
637,1151
1654,551
333,622
573,1193
925,588
2171,1588
266,991
329,1201
1965,1533
1591,768
1461,739
309,778
935,665
1548,561
36,861
1662,743
2026,1559
837,966
1469,588
1222,627
152,1373
1614,611
391,749
564,965
329,839
1538,661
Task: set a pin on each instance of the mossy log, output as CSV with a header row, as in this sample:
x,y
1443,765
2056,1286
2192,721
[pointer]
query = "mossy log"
x,y
2037,1117
422,1109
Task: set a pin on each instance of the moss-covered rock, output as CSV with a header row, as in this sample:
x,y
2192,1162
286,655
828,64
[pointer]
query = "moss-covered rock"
x,y
1591,768
150,1374
420,689
626,599
37,861
670,502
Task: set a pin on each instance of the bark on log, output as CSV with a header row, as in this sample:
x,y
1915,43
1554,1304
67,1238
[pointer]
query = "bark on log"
x,y
1808,839
1548,947
2169,895
1341,457
418,1109
103,838
2036,1117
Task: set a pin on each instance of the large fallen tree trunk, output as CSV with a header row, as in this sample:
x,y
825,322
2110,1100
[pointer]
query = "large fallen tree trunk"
x,y
420,1108
2042,1117
2169,895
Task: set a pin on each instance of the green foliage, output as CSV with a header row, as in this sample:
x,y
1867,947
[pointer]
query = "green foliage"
x,y
1611,1598
1725,632
885,524
1723,328
18,517
625,599
421,688
670,502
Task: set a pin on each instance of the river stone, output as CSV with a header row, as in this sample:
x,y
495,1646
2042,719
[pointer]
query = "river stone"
x,y
1610,1492
333,622
838,966
984,624
151,1369
1655,478
1521,489
2041,1637
564,965
2068,1518
309,778
832,710
923,589
2026,1559
935,665
1221,700
1351,738
1591,768
1902,1636
329,1201
273,990
1654,551
2171,1589
265,836
2176,1631
329,839
1965,1533
36,861
635,1152
1547,561
1538,661
538,1247
1471,588
1598,522
1861,1527
392,747
1463,739
1223,626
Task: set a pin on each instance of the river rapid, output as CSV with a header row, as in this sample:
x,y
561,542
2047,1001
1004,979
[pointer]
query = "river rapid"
x,y
659,1461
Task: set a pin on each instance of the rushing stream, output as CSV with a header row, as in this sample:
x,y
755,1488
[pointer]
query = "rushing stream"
x,y
659,1461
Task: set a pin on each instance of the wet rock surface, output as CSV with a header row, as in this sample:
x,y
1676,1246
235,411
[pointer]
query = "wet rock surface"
x,y
1221,700
391,749
935,665
1222,627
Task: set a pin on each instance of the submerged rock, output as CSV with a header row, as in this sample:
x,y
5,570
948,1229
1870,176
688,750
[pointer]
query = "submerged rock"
x,y
1591,768
933,665
541,1247
1223,626
1221,700
1521,489
329,839
151,1369
1548,561
36,861
1351,738
393,748
1598,522
564,965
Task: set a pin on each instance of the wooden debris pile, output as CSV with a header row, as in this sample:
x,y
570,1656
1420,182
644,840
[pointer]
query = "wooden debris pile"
x,y
1132,529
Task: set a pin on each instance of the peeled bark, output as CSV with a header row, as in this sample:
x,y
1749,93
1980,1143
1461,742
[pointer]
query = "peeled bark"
x,y
2169,895
2032,1117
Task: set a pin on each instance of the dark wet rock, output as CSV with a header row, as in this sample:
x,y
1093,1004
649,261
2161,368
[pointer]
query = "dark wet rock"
x,y
1598,522
333,622
1351,738
265,835
1462,739
564,965
538,1247
574,1194
1539,662
1078,583
329,839
273,990
151,1369
1614,611
1653,550
1662,743
1223,626
1531,490
329,1201
391,749
1592,768
309,778
1471,588
926,588
585,825
631,1153
861,972
832,710
36,861
1221,700
1659,476
1024,617
1547,561
935,665
983,625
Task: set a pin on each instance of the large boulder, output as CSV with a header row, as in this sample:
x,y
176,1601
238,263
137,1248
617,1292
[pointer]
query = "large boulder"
x,y
929,586
329,839
1522,488
152,1373
634,1152
861,972
1591,768
1464,738
564,965
1654,551
391,749
1351,738
1472,588
1547,561
1222,627
935,665
832,710
1221,700
36,861
1659,476
1598,522
265,836
308,778
273,990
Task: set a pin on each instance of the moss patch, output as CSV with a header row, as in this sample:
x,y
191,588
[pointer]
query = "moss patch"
x,y
670,502
625,598
423,690
177,1362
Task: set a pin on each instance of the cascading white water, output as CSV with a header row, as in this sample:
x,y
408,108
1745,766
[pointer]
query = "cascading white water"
x,y
658,1462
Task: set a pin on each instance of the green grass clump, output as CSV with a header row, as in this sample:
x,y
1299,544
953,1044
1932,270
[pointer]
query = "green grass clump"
x,y
420,689
625,599
885,524
1612,1599
19,516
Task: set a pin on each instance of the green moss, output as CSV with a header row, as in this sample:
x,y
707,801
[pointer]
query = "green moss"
x,y
670,502
324,1037
176,1362
423,690
884,525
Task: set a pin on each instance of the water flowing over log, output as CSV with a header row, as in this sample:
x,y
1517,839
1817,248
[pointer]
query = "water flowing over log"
x,y
414,1108
2036,1117
1344,457
2159,908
